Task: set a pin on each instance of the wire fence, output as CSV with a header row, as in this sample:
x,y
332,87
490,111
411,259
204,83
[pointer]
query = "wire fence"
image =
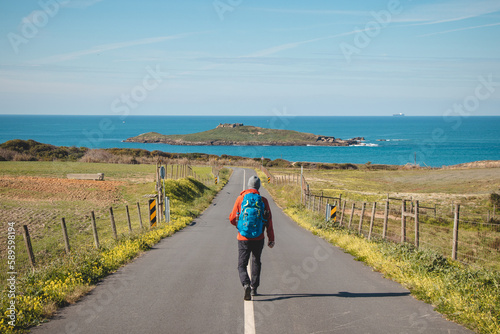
x,y
465,239
466,234
100,226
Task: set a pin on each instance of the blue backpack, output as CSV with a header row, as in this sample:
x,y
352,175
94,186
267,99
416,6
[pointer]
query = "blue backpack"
x,y
251,220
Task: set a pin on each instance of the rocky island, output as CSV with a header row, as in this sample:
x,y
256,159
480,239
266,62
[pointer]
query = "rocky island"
x,y
239,134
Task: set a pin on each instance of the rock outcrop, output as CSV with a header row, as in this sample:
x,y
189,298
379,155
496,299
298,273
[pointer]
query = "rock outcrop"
x,y
229,125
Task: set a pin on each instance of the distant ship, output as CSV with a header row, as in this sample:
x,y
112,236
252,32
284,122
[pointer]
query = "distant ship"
x,y
400,114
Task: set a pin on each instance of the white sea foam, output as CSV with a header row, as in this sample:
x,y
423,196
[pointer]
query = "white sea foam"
x,y
367,145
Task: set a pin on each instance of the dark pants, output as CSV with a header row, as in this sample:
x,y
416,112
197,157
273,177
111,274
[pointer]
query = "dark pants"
x,y
245,247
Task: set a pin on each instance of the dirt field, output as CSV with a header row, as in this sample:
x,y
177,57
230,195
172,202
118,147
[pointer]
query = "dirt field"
x,y
38,194
40,202
52,189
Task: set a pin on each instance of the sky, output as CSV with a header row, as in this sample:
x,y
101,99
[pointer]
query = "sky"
x,y
250,57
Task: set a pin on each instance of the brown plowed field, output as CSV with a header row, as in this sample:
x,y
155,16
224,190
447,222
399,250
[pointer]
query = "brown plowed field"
x,y
51,189
40,202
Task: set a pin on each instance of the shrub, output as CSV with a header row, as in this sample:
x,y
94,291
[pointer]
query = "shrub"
x,y
29,150
23,157
98,156
495,199
6,154
279,163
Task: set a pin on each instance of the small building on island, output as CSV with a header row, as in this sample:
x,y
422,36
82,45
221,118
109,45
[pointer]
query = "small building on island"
x,y
227,125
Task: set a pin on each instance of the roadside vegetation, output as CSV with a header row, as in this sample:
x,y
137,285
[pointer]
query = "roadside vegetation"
x,y
38,195
30,150
469,295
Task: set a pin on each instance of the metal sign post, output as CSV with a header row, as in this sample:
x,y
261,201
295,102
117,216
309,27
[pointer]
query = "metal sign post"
x,y
163,201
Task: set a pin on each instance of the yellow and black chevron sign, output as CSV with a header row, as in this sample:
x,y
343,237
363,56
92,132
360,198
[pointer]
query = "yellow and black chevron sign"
x,y
152,212
333,213
216,179
268,179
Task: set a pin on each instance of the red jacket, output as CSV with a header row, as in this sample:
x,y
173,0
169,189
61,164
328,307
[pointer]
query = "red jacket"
x,y
233,217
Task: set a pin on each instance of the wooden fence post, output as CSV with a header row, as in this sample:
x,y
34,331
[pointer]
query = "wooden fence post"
x,y
372,220
139,213
113,225
361,218
352,215
403,221
29,248
94,231
65,235
320,201
342,213
455,232
128,220
417,226
386,219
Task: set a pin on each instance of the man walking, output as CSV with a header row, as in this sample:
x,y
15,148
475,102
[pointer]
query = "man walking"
x,y
252,216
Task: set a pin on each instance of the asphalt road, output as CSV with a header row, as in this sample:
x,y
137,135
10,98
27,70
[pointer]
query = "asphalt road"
x,y
189,284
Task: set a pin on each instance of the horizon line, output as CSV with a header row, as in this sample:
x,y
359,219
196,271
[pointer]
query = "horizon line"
x,y
224,115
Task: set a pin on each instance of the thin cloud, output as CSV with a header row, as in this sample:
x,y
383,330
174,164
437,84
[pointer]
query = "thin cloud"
x,y
460,29
108,47
66,4
288,46
80,3
311,11
449,11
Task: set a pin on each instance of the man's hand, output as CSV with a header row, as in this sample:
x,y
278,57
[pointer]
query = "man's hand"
x,y
270,244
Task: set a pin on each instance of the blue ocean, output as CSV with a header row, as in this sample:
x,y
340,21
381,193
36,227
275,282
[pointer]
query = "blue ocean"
x,y
428,141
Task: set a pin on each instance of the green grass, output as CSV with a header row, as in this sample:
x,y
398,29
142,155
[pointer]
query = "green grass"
x,y
239,134
43,212
467,295
442,187
36,298
440,181
60,169
479,242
